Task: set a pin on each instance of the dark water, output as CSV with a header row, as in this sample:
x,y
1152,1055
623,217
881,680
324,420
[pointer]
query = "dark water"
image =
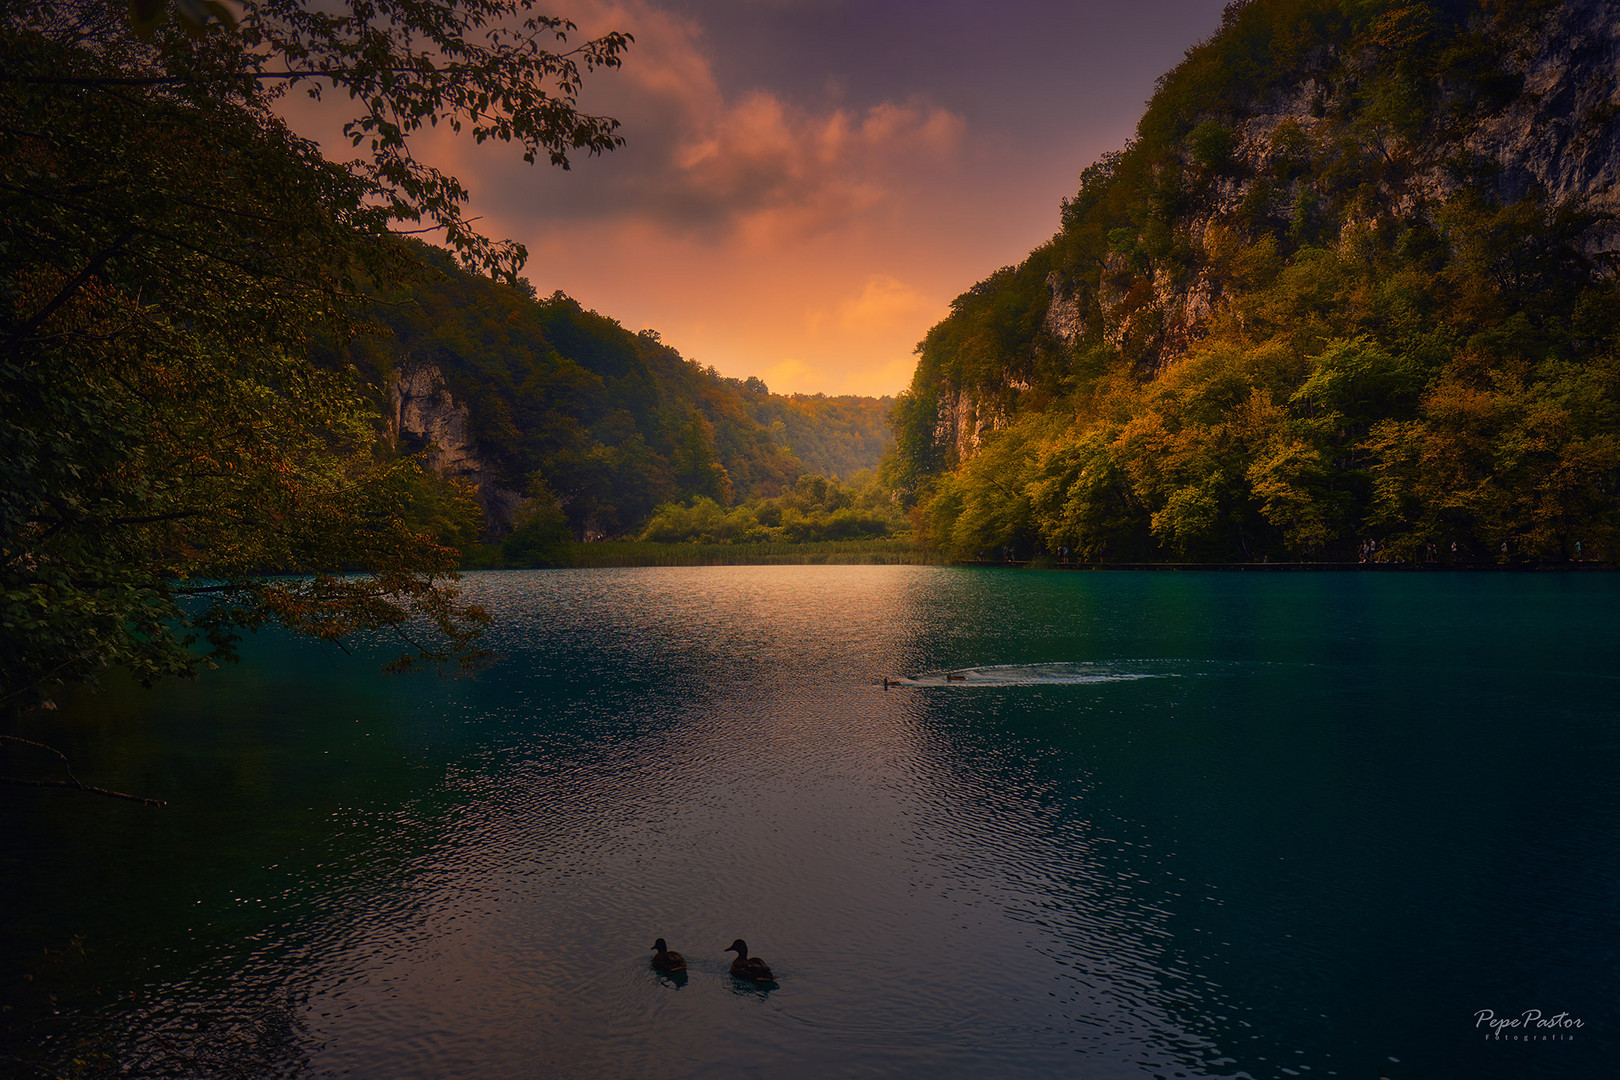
x,y
1164,825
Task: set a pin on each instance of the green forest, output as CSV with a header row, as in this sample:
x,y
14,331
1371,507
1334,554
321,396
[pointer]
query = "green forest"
x,y
1404,348
610,435
832,436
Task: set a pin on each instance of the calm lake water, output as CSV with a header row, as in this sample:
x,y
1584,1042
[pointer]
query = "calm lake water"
x,y
1166,825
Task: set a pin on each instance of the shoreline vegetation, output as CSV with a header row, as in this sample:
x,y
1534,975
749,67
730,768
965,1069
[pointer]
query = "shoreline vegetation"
x,y
902,551
181,461
613,553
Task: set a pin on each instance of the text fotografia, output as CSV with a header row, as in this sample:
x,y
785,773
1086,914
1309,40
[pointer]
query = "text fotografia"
x,y
1532,1025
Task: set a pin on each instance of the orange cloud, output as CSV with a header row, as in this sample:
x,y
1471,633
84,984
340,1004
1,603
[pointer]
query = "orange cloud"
x,y
777,170
883,302
754,166
810,244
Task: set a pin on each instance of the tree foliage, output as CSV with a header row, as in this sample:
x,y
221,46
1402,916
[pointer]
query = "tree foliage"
x,y
1397,350
831,436
173,469
816,508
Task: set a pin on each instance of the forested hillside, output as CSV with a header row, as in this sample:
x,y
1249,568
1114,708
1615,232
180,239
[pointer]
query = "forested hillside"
x,y
832,436
560,408
1351,284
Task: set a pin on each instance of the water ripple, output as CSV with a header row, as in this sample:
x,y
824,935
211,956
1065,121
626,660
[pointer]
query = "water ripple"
x,y
1268,845
1053,674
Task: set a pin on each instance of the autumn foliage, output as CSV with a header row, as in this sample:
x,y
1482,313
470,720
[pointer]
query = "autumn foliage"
x,y
1400,354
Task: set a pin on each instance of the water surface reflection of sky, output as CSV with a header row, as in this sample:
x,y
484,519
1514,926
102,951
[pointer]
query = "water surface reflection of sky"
x,y
1197,825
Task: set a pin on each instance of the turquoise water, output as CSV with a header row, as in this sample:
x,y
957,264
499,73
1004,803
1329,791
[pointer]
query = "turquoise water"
x,y
1162,825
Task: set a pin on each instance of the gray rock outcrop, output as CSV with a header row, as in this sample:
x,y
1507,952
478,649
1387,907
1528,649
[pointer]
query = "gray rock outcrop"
x,y
1555,137
425,418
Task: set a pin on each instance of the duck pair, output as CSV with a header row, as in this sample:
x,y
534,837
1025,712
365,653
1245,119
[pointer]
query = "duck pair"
x,y
747,967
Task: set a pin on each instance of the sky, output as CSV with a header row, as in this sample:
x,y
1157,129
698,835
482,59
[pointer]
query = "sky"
x,y
807,184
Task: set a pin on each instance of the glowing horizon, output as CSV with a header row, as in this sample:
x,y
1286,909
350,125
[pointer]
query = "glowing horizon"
x,y
807,184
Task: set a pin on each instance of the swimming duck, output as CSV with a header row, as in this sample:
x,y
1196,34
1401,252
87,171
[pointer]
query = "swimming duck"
x,y
664,960
748,967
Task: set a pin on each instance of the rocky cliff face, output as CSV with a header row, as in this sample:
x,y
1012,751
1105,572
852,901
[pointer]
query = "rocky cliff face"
x,y
1356,281
1559,136
1354,136
966,417
1556,138
423,417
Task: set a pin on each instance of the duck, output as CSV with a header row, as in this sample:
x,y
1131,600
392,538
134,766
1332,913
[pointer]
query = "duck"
x,y
748,967
664,960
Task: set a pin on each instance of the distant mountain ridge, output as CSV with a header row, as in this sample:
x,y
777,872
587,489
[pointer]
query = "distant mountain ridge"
x,y
1352,282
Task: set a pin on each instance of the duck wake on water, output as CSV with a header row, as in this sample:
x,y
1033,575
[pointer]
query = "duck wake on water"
x,y
1053,674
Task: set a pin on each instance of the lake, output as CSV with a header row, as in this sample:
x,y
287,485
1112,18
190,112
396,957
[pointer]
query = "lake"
x,y
1164,825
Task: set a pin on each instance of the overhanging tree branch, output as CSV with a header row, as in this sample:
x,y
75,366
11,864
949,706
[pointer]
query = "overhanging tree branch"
x,y
22,781
72,782
74,285
173,254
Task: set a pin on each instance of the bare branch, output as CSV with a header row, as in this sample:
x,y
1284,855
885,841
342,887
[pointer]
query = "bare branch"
x,y
72,782
22,781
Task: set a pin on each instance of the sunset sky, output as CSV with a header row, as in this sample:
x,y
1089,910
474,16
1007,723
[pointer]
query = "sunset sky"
x,y
808,183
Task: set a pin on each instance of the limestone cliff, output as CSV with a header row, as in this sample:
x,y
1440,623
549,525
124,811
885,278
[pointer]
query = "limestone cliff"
x,y
425,418
1559,135
1557,139
1531,113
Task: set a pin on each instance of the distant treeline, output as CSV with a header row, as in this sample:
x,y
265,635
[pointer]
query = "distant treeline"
x,y
831,436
